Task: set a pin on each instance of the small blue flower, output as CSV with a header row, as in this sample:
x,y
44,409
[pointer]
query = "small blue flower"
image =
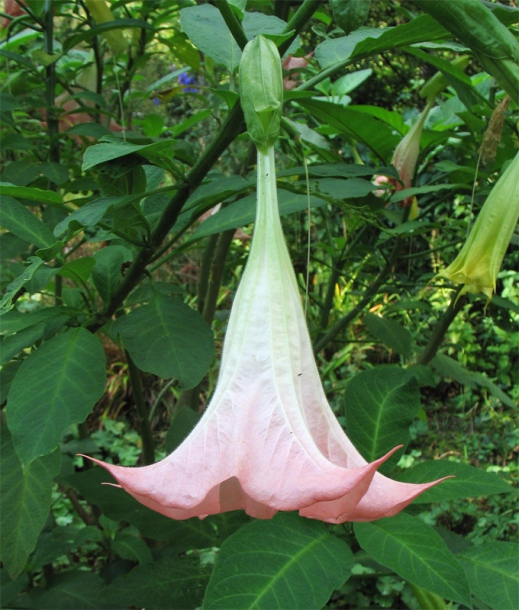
x,y
156,101
187,79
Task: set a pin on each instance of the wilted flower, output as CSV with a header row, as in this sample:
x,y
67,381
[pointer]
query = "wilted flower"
x,y
290,64
406,153
479,261
12,9
268,440
404,160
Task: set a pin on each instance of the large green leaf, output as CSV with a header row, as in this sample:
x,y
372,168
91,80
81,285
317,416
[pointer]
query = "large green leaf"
x,y
91,213
25,501
169,339
120,506
286,562
391,333
413,550
452,368
107,272
368,41
170,582
31,193
207,29
113,148
24,224
243,212
492,570
132,548
56,386
71,590
359,125
380,405
469,482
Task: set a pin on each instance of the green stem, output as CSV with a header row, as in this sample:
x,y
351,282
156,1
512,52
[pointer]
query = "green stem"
x,y
366,299
440,330
215,278
232,23
148,450
50,83
205,271
298,21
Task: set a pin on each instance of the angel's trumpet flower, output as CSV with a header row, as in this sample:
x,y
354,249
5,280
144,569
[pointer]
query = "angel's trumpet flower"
x,y
268,440
480,258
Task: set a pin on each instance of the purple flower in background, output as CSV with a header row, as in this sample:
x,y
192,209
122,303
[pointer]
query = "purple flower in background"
x,y
187,79
156,101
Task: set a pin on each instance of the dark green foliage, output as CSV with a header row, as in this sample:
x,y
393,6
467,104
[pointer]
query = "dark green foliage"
x,y
118,274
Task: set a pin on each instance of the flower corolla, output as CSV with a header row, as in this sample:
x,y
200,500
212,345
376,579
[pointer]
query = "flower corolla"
x,y
480,258
268,440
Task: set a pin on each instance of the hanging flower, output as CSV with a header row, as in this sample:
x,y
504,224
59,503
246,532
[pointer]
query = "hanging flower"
x,y
479,261
268,440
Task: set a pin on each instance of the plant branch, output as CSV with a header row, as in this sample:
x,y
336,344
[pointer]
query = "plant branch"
x,y
439,331
298,21
215,277
232,23
228,132
368,295
148,450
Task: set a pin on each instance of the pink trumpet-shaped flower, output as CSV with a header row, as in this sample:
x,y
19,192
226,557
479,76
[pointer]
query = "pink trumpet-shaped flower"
x,y
268,440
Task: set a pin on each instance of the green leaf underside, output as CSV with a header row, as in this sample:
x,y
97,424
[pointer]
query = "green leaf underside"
x,y
25,501
286,562
169,339
380,405
417,553
56,386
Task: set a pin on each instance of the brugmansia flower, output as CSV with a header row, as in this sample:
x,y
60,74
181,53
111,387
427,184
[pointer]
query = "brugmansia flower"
x,y
268,440
479,261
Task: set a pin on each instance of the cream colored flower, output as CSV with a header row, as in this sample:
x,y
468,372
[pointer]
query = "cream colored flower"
x,y
479,261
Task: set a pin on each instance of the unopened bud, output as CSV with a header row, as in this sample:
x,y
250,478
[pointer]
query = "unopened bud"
x,y
261,91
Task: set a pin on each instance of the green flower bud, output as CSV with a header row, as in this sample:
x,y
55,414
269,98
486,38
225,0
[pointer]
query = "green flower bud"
x,y
261,91
479,261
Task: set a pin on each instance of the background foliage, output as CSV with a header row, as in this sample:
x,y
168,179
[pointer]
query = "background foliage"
x,y
120,133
